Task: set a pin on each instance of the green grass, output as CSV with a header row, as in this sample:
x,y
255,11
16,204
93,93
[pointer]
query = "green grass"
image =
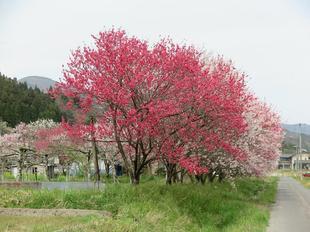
x,y
8,176
153,206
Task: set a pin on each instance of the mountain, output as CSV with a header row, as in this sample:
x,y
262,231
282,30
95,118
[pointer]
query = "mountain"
x,y
304,128
291,140
43,83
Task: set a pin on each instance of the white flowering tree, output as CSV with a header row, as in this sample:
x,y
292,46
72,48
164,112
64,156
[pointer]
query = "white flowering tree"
x,y
260,146
19,146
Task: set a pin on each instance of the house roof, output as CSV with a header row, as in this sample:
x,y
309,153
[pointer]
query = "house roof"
x,y
286,155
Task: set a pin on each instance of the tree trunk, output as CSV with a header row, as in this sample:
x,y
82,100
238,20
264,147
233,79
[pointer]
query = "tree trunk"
x,y
134,166
46,168
170,172
135,178
20,171
192,178
107,169
211,176
63,170
88,166
67,173
183,172
221,177
175,177
96,160
197,177
201,178
168,179
128,165
149,169
114,174
95,152
20,165
2,169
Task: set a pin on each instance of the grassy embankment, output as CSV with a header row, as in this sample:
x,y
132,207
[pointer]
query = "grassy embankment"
x,y
151,206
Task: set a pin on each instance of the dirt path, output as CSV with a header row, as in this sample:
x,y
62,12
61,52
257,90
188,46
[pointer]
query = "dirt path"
x,y
52,212
291,212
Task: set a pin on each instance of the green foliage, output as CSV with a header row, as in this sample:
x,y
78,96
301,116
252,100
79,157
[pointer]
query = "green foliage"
x,y
288,148
154,206
32,177
18,103
60,178
27,177
8,176
4,129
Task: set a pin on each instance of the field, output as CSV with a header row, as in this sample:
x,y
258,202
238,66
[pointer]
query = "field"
x,y
151,206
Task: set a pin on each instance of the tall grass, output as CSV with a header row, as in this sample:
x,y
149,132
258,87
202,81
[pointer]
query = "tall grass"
x,y
153,206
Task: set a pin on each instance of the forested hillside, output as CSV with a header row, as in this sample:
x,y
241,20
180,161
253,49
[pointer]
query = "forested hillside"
x,y
20,103
291,141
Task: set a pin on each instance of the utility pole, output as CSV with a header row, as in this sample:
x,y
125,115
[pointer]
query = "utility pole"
x,y
300,147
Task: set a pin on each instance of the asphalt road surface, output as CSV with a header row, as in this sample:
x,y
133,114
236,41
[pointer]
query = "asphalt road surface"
x,y
291,212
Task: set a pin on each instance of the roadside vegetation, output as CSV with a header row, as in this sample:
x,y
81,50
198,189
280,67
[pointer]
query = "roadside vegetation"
x,y
305,181
151,206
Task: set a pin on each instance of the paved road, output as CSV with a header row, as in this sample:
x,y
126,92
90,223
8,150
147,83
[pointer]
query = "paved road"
x,y
291,212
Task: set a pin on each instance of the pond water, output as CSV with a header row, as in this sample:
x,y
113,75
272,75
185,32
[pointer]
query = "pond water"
x,y
52,185
70,185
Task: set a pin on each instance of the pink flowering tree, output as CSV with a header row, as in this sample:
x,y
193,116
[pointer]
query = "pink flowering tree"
x,y
164,101
210,120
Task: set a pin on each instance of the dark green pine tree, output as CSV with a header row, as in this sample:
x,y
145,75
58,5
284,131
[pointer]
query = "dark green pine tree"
x,y
19,103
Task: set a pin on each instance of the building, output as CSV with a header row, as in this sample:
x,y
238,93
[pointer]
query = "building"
x,y
294,161
285,161
301,161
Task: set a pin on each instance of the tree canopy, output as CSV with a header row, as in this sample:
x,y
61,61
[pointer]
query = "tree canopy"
x,y
167,102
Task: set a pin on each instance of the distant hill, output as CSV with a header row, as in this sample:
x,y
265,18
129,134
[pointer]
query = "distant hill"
x,y
304,128
43,83
291,138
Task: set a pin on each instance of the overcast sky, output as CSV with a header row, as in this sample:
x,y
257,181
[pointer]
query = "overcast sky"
x,y
267,39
